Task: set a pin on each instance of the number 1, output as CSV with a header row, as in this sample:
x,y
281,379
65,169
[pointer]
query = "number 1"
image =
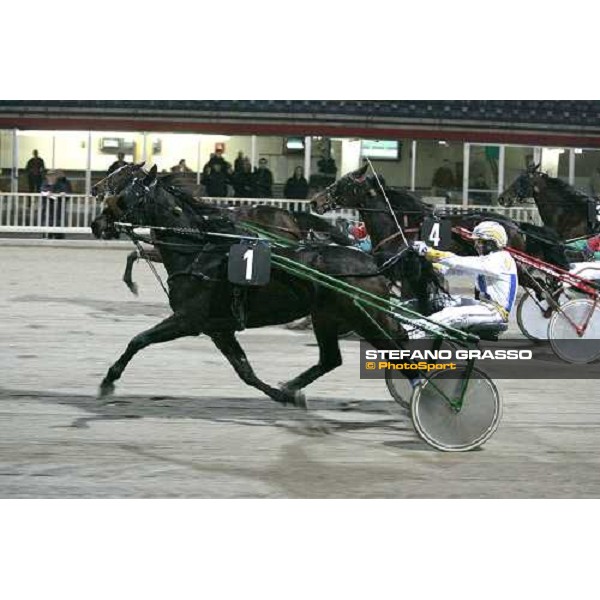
x,y
249,258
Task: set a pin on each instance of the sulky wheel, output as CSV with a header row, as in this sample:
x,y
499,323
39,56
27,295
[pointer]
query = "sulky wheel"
x,y
533,316
574,331
449,424
399,387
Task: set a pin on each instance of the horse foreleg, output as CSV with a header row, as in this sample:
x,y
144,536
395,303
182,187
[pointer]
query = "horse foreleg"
x,y
173,327
227,343
330,357
127,276
151,254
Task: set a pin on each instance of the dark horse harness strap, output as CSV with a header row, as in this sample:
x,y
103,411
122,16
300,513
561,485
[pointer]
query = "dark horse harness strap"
x,y
392,237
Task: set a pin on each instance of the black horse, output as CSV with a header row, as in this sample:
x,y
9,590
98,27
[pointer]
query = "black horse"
x,y
565,210
203,301
296,226
356,190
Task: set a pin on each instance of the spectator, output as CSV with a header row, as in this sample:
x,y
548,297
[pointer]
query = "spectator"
x,y
215,180
244,181
35,172
296,187
327,166
217,157
263,180
238,163
53,190
595,183
62,185
120,162
181,167
478,183
443,180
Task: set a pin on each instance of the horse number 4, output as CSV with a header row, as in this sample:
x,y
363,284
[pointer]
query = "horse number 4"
x,y
249,258
434,236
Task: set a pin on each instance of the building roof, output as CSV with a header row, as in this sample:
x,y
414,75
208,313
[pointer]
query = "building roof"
x,y
566,122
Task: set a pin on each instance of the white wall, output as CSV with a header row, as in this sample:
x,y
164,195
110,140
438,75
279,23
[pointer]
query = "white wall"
x,y
5,149
174,147
350,156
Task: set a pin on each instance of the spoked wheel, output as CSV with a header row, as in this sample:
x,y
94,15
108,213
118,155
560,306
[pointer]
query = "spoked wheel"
x,y
400,388
449,424
574,331
533,317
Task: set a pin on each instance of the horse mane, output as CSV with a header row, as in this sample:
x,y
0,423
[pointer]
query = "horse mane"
x,y
197,205
404,201
197,209
565,189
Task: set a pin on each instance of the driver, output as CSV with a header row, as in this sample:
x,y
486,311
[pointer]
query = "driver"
x,y
495,274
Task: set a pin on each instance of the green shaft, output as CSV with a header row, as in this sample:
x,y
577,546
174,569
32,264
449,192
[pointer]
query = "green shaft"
x,y
369,299
366,297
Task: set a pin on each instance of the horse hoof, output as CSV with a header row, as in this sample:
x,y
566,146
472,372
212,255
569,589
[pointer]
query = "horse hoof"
x,y
293,397
106,389
300,400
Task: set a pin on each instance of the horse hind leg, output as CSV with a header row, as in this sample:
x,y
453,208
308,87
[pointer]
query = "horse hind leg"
x,y
227,343
325,327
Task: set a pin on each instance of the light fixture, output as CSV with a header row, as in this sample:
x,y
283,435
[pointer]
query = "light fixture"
x,y
578,151
442,143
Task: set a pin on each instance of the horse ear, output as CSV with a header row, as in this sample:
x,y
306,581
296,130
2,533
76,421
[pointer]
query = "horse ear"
x,y
141,165
360,173
151,176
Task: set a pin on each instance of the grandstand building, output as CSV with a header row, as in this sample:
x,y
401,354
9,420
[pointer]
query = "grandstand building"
x,y
479,146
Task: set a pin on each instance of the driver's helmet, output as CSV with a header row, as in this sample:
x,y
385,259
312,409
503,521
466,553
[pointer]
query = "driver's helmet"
x,y
491,231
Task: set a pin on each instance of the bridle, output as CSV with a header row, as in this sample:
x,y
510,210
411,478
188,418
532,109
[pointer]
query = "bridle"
x,y
332,202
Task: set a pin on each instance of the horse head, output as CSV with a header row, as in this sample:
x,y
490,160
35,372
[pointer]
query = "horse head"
x,y
350,191
122,192
525,186
116,181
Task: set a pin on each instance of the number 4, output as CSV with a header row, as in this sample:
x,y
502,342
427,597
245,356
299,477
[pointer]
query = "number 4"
x,y
434,235
249,258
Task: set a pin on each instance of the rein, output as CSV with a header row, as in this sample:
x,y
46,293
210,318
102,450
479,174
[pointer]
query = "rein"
x,y
391,210
386,240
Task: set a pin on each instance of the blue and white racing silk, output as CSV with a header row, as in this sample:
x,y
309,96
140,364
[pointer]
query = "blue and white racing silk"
x,y
495,275
496,279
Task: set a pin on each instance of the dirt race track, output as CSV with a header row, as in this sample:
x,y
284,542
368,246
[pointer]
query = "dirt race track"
x,y
182,425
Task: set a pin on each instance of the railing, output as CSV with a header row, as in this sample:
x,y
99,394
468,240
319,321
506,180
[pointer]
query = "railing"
x,y
73,213
42,213
529,214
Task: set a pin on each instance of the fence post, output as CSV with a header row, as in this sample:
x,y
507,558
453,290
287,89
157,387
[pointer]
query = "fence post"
x,y
466,159
14,179
413,166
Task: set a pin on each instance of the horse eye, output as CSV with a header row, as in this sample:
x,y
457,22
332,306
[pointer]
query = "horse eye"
x,y
121,203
